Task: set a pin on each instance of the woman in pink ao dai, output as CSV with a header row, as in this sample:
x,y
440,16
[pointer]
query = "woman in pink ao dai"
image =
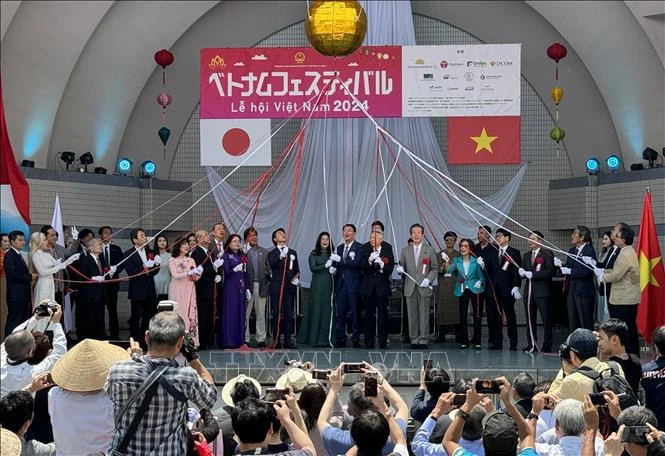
x,y
181,290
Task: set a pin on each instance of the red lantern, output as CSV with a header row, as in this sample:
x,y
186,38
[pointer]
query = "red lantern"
x,y
556,52
163,58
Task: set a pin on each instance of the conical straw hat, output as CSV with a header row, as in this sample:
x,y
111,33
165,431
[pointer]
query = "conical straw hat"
x,y
86,366
10,444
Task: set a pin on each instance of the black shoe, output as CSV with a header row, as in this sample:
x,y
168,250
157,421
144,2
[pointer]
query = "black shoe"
x,y
494,347
415,346
423,346
356,344
261,344
546,349
290,345
528,349
383,346
369,346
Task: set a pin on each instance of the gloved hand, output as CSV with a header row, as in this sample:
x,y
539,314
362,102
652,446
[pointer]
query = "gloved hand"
x,y
521,272
528,274
481,262
283,251
557,262
149,264
218,278
62,266
445,257
328,264
238,268
193,272
113,270
72,258
158,259
199,269
218,263
565,270
478,284
58,261
248,295
424,283
399,269
332,269
335,257
373,256
75,232
599,272
292,257
590,261
380,262
516,293
296,281
97,278
352,255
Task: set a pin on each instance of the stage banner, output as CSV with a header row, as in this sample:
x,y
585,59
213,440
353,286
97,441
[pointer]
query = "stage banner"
x,y
463,80
273,83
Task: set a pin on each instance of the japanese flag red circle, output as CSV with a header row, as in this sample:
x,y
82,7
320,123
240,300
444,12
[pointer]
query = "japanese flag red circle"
x,y
235,141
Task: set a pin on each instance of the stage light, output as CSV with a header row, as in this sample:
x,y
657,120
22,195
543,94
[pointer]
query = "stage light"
x,y
100,170
650,155
593,166
124,166
148,169
636,166
28,164
613,163
67,157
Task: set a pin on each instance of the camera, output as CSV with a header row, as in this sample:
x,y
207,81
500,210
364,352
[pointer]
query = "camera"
x,y
459,399
635,434
277,394
371,384
597,399
320,374
42,309
188,348
166,306
353,368
487,387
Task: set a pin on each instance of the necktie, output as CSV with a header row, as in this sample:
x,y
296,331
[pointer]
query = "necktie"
x,y
534,254
416,253
99,266
219,247
106,254
500,254
346,250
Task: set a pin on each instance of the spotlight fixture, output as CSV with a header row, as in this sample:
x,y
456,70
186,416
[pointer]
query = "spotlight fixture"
x,y
100,170
28,164
67,157
650,155
613,163
85,160
124,166
592,166
636,166
148,169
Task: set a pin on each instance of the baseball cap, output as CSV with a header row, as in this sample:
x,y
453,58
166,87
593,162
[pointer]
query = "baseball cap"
x,y
500,434
583,342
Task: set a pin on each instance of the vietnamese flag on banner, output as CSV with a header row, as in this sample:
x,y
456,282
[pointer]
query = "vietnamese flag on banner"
x,y
651,311
484,140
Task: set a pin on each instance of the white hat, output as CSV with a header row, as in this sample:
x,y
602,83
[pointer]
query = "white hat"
x,y
10,444
296,378
230,385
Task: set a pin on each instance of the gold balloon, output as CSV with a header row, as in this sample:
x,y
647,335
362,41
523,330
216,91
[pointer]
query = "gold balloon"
x,y
336,28
556,94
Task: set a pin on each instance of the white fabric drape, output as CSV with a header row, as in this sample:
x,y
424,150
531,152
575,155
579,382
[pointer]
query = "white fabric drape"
x,y
347,150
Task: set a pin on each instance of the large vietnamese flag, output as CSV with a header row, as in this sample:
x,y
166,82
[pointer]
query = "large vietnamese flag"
x,y
651,311
484,140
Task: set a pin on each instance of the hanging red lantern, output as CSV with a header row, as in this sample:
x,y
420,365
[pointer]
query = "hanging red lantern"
x,y
163,58
556,52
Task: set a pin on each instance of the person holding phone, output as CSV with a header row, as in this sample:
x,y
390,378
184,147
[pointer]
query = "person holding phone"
x,y
434,381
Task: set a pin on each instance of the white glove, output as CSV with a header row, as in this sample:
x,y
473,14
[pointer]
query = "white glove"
x,y
478,284
158,259
445,257
238,268
292,257
73,258
380,262
97,278
283,252
424,283
248,295
528,274
521,272
481,262
590,261
193,272
296,281
565,271
111,271
218,278
399,269
599,272
352,255
58,261
373,256
516,293
328,263
62,266
199,269
75,232
557,262
332,269
218,263
149,264
335,257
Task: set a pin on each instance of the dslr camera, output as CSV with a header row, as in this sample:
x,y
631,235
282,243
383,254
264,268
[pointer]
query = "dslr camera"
x,y
42,309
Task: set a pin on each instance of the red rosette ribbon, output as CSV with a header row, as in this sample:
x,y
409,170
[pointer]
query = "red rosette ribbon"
x,y
385,261
243,259
425,260
150,256
425,263
105,269
539,261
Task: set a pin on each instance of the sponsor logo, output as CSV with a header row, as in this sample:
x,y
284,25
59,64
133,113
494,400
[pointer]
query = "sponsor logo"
x,y
444,64
299,58
490,76
460,51
420,61
217,63
501,63
446,76
436,87
475,63
469,88
428,76
468,76
453,88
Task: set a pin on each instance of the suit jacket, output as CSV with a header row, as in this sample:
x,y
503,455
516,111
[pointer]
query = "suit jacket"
x,y
348,273
375,278
264,272
90,292
504,274
543,270
64,253
205,286
277,266
581,276
18,277
115,256
608,263
426,266
141,287
625,275
469,279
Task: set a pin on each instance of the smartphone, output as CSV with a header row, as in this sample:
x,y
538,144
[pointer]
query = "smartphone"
x,y
549,404
597,399
280,394
459,399
427,365
487,387
120,343
371,384
353,368
320,374
635,434
49,379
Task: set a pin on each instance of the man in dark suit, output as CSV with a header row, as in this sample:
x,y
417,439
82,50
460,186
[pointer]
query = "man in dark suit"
x,y
503,272
83,237
483,249
538,269
141,268
18,282
346,261
580,280
259,273
283,263
112,256
377,262
216,249
91,268
604,289
205,290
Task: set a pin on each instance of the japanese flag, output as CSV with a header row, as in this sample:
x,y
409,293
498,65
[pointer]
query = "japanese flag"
x,y
229,142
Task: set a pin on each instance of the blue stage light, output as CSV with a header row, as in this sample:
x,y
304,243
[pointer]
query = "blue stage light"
x,y
593,166
613,163
124,166
148,169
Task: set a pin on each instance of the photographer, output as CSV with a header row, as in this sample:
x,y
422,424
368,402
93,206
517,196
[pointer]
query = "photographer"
x,y
15,371
160,427
435,381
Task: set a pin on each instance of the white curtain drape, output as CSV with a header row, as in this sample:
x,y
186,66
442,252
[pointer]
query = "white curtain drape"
x,y
346,151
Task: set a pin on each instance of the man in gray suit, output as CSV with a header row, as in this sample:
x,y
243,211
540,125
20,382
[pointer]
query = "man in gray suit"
x,y
259,271
420,262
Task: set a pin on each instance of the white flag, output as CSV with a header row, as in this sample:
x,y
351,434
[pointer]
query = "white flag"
x,y
56,221
228,142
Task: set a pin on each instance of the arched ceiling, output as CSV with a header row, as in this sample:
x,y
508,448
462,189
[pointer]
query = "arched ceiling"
x,y
80,75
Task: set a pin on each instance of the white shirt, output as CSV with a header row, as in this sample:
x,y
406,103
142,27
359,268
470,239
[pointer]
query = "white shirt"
x,y
570,445
142,254
18,377
82,422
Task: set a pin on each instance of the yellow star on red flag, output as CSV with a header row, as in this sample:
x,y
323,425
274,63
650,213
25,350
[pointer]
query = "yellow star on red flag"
x,y
647,266
484,141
